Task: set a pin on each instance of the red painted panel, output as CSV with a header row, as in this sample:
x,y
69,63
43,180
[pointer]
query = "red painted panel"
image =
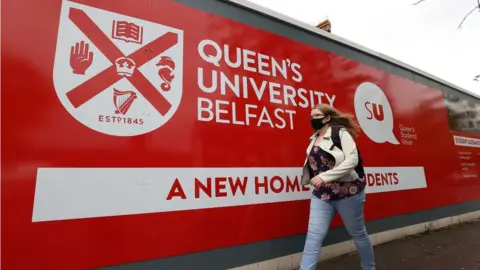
x,y
39,132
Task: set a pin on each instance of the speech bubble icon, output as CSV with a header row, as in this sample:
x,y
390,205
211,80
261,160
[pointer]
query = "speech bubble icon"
x,y
374,113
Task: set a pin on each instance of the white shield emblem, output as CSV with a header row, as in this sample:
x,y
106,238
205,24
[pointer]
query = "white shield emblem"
x,y
116,74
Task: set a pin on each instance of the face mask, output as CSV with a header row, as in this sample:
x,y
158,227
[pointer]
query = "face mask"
x,y
317,123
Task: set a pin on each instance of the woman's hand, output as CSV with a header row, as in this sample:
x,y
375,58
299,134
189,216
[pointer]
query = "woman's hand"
x,y
316,181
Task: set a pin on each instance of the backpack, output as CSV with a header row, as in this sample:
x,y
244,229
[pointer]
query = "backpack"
x,y
337,142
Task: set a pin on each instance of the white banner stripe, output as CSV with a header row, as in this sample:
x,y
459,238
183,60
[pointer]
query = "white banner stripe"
x,y
466,141
386,179
71,193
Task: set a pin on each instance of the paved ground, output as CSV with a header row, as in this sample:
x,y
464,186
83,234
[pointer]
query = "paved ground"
x,y
457,247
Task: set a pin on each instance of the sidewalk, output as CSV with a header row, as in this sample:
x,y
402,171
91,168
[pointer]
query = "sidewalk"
x,y
457,247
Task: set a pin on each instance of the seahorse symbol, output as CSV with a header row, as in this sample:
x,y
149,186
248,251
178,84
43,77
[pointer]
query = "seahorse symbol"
x,y
166,72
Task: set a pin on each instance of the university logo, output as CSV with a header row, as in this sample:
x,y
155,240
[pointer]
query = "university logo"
x,y
117,74
374,113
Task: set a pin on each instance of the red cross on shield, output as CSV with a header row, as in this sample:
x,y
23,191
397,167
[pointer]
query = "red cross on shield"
x,y
101,81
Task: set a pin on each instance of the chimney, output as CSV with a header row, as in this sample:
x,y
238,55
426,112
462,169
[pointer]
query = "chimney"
x,y
325,25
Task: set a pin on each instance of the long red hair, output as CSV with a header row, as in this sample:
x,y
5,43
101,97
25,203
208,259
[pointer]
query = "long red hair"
x,y
340,119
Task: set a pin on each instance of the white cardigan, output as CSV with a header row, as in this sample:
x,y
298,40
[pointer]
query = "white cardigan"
x,y
345,161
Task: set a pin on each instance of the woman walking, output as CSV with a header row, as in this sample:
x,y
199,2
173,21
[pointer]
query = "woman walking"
x,y
337,186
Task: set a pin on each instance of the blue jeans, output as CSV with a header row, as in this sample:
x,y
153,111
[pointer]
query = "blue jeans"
x,y
321,214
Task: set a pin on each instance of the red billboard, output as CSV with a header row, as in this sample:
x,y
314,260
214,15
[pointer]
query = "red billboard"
x,y
124,128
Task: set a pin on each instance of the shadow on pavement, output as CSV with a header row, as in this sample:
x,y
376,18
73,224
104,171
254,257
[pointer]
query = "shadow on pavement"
x,y
456,247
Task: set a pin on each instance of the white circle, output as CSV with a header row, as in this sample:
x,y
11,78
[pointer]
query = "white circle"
x,y
374,113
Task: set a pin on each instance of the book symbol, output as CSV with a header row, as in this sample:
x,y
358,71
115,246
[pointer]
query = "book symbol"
x,y
128,32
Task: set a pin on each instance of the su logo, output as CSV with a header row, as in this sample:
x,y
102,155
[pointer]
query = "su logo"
x,y
375,110
374,113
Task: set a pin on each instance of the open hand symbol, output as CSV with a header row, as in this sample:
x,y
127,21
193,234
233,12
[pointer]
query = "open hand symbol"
x,y
80,58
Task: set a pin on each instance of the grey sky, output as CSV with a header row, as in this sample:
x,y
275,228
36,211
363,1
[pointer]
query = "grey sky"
x,y
424,36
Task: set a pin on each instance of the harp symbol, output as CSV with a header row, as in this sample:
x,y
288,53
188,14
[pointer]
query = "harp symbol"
x,y
123,100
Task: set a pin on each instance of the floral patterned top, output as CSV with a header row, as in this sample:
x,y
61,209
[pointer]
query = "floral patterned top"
x,y
321,161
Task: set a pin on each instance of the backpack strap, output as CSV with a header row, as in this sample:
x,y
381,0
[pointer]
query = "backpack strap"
x,y
336,138
338,143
